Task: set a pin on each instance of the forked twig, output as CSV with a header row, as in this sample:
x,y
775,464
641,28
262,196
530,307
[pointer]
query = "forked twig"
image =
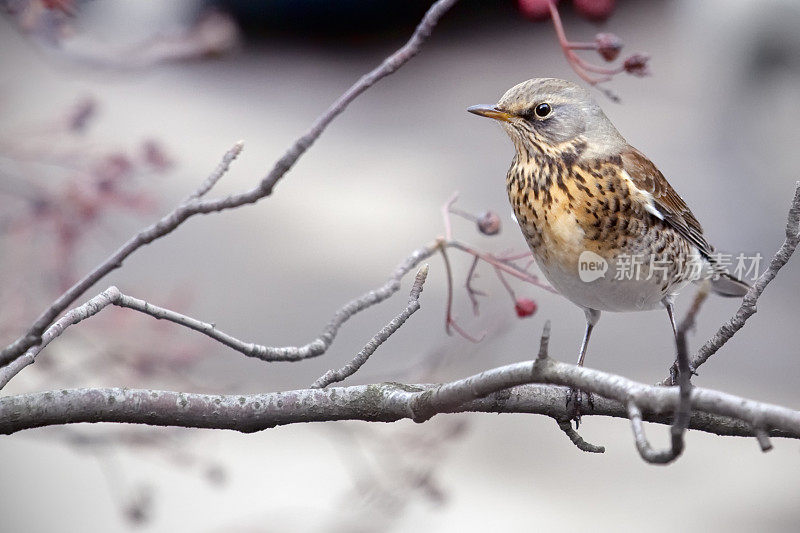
x,y
196,205
334,376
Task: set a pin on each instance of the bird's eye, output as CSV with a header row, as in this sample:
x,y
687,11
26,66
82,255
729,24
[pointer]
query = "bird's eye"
x,y
542,110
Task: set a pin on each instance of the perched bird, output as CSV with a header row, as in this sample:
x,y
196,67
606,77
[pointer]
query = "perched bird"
x,y
605,227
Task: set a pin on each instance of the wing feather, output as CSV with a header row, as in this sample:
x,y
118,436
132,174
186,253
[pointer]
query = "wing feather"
x,y
669,206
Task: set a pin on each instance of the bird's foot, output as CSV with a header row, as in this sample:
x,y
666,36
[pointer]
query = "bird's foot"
x,y
577,401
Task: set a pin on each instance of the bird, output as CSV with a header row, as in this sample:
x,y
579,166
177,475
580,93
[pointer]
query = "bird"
x,y
591,206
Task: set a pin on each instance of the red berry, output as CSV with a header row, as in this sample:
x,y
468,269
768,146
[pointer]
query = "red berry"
x,y
65,6
525,307
155,155
535,10
595,10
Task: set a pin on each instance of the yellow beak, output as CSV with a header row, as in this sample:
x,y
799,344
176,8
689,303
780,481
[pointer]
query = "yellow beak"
x,y
490,111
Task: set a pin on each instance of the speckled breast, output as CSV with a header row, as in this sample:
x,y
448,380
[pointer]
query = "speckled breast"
x,y
581,220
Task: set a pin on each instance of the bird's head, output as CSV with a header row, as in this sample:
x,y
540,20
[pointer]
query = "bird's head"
x,y
545,114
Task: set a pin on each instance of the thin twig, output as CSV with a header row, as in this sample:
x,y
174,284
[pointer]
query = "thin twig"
x,y
748,307
544,342
463,214
218,172
690,318
505,265
646,451
334,376
112,296
90,308
577,440
564,422
572,58
472,292
505,284
448,226
449,320
199,206
314,348
683,413
762,436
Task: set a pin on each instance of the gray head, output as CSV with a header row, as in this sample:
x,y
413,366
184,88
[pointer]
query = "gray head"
x,y
543,113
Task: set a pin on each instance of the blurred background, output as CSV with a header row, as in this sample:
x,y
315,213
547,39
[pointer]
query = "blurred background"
x,y
112,112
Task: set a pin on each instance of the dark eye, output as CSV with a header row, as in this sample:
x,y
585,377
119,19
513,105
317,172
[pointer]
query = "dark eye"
x,y
542,110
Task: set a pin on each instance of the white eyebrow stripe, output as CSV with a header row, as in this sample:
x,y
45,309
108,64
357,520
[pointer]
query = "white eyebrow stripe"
x,y
649,203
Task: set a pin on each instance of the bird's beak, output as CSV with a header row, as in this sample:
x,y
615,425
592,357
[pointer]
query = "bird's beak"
x,y
490,111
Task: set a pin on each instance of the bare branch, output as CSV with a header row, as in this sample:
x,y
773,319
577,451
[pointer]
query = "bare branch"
x,y
495,390
683,413
472,292
748,307
90,308
642,444
763,439
502,264
577,440
544,342
218,172
449,320
564,423
446,207
112,296
334,376
199,206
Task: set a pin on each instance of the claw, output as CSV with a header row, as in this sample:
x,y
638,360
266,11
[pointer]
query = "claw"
x,y
576,398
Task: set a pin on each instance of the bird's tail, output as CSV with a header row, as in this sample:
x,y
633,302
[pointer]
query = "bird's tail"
x,y
729,286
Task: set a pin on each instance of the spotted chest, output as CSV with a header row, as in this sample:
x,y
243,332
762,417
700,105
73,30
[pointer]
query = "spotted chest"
x,y
565,208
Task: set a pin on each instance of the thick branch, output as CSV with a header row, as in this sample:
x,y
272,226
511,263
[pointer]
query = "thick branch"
x,y
713,411
194,204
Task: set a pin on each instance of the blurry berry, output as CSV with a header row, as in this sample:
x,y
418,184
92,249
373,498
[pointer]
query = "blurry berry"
x,y
155,155
40,206
489,223
595,10
65,6
525,307
535,10
81,114
113,167
637,65
608,45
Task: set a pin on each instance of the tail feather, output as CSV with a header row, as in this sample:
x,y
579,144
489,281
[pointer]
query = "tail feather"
x,y
729,286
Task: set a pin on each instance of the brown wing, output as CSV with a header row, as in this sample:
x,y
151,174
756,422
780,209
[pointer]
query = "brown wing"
x,y
674,210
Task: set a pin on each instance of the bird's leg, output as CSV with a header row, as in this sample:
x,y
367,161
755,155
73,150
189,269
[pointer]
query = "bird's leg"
x,y
576,395
669,305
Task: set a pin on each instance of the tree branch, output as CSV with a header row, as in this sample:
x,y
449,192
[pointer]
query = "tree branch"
x,y
683,413
566,426
334,376
318,346
194,204
496,390
748,307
